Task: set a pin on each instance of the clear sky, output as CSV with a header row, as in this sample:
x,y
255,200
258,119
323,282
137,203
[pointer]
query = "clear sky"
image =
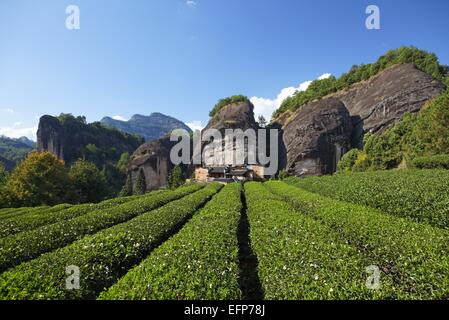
x,y
179,57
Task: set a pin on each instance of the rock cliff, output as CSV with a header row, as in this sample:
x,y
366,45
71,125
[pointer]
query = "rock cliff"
x,y
316,138
71,138
319,133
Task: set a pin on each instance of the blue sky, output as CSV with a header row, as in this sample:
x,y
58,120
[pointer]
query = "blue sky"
x,y
179,57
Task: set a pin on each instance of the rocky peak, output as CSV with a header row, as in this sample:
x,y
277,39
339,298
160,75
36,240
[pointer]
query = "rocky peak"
x,y
234,116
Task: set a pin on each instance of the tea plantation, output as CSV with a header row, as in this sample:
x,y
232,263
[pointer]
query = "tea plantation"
x,y
374,235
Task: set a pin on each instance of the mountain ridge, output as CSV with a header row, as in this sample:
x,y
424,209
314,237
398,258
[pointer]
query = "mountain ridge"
x,y
152,127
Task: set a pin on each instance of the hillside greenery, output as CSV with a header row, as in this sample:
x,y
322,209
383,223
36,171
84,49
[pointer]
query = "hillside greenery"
x,y
14,150
42,179
423,60
227,101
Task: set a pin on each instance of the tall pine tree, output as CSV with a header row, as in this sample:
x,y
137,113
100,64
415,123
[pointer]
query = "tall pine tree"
x,y
127,189
141,184
176,178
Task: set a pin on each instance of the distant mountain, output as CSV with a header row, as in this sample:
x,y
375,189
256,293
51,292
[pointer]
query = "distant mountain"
x,y
152,127
27,142
14,150
8,164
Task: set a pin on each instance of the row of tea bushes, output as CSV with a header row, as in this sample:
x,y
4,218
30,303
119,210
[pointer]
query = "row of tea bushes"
x,y
419,195
300,258
101,258
29,245
200,262
416,255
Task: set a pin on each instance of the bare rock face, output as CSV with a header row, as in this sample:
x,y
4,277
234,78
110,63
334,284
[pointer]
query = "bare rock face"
x,y
68,139
50,136
154,158
382,100
233,116
319,133
317,137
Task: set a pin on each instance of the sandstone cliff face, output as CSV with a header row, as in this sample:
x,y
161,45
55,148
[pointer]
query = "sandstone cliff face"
x,y
383,100
154,159
68,140
233,116
50,136
317,137
319,133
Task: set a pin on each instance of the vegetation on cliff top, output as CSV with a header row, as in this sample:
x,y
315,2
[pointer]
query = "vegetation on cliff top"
x,y
423,60
227,101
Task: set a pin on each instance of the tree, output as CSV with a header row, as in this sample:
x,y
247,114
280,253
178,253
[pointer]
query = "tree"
x,y
127,189
87,181
40,179
348,160
141,184
122,164
227,101
262,121
176,178
114,179
4,194
283,174
3,174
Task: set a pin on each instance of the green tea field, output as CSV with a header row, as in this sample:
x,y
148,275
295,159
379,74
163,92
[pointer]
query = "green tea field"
x,y
374,235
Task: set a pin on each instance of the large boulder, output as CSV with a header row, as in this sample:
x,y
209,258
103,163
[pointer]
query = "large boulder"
x,y
51,136
319,133
154,159
233,116
316,137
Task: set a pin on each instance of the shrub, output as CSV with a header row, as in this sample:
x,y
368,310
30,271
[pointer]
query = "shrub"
x,y
362,163
283,174
348,160
432,162
141,184
102,258
227,101
202,259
